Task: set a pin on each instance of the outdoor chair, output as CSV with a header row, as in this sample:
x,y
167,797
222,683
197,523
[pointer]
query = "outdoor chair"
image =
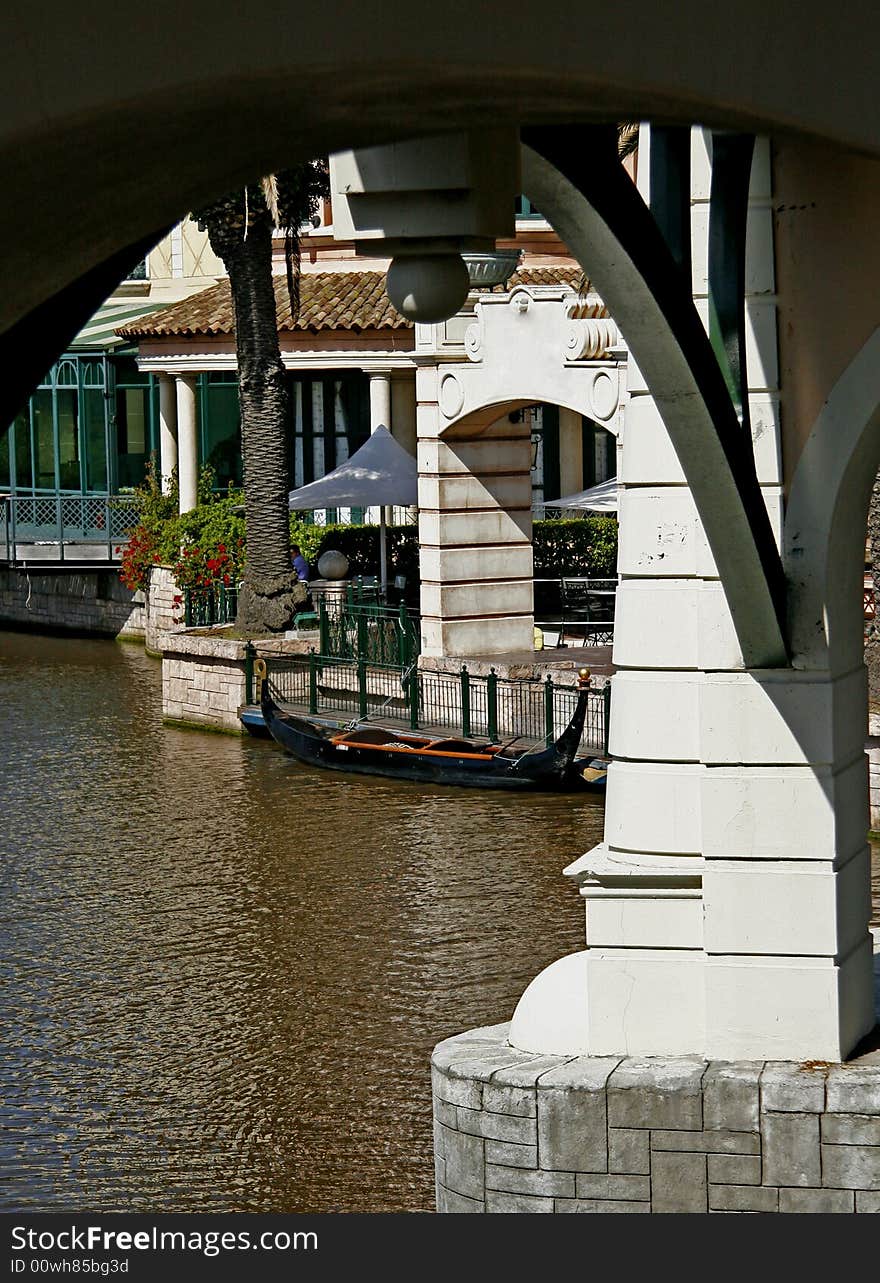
x,y
587,606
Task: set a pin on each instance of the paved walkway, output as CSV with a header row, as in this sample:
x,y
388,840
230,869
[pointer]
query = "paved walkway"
x,y
529,663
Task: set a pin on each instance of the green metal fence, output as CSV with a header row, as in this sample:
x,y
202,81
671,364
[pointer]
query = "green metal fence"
x,y
377,634
485,707
204,607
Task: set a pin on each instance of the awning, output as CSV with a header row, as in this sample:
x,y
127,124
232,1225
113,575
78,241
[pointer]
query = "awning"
x,y
100,330
601,498
380,473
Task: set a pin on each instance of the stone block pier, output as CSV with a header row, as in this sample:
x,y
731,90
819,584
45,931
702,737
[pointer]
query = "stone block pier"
x,y
515,1132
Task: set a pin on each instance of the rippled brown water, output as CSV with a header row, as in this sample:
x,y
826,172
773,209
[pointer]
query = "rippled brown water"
x,y
222,972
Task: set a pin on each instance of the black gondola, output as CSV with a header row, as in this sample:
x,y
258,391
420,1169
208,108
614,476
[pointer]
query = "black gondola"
x,y
375,750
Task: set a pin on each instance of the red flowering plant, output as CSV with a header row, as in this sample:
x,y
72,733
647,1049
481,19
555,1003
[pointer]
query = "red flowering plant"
x,y
152,540
212,545
204,547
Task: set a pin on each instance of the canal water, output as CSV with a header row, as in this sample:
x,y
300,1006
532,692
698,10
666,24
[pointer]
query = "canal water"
x,y
222,972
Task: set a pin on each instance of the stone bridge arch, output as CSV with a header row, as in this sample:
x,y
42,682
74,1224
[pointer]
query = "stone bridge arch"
x,y
533,344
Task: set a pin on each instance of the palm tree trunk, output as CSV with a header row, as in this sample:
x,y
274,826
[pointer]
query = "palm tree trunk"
x,y
270,592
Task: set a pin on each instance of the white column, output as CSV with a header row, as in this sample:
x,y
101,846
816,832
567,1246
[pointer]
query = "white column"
x,y
380,417
167,429
727,906
475,526
380,400
571,452
187,442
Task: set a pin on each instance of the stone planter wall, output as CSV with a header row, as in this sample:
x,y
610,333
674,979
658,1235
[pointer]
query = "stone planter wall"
x,y
203,677
161,614
82,601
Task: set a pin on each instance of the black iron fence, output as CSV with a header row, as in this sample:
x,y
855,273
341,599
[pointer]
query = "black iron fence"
x,y
487,706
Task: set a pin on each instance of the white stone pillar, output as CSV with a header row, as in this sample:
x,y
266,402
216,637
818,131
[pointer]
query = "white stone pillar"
x,y
403,413
187,442
380,417
380,400
475,527
571,452
727,906
167,429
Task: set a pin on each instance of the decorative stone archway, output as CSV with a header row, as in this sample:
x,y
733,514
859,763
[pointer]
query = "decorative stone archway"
x,y
533,344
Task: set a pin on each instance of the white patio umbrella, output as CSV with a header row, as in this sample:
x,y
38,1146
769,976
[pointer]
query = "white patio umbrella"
x,y
380,473
600,498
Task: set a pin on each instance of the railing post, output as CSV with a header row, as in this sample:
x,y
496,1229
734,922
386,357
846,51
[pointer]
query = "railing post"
x,y
606,700
492,705
548,709
361,634
403,649
313,682
465,702
249,654
323,626
414,700
187,608
362,685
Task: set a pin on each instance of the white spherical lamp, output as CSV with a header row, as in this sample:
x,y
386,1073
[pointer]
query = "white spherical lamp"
x,y
332,564
428,287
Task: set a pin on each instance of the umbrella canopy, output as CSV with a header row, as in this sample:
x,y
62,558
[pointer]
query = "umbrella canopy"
x,y
601,498
380,473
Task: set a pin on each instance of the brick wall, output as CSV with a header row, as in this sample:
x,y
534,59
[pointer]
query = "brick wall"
x,y
88,601
515,1132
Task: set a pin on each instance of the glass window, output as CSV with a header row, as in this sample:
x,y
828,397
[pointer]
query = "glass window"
x,y
68,439
44,440
132,434
330,418
21,430
5,470
94,440
525,209
221,427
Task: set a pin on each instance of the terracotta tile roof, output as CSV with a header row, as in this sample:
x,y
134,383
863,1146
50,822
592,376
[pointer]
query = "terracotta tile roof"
x,y
328,301
546,276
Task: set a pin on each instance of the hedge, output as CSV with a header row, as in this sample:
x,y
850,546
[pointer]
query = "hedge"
x,y
586,546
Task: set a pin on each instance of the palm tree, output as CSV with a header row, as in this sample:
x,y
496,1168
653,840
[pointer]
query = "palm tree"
x,y
239,228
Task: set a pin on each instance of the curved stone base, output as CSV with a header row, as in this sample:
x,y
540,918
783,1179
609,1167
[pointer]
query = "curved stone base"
x,y
519,1132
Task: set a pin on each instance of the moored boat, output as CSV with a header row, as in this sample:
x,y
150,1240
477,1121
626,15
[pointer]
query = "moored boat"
x,y
368,749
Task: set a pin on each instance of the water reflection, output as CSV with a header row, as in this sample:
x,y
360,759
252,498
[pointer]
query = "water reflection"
x,y
224,972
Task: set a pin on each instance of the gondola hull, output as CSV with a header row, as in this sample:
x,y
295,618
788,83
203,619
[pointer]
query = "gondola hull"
x,y
402,756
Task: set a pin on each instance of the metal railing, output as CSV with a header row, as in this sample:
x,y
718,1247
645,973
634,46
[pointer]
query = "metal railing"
x,y
64,527
377,634
487,707
205,606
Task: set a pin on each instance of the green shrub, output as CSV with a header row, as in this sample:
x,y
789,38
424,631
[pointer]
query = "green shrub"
x,y
585,546
203,545
361,546
209,541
